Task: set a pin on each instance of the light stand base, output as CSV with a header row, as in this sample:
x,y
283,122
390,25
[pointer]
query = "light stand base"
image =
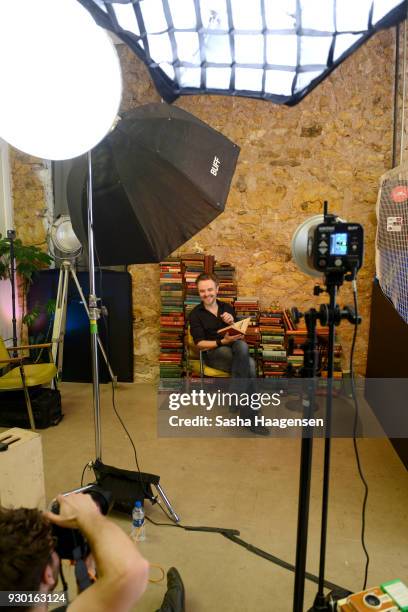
x,y
320,604
327,603
129,486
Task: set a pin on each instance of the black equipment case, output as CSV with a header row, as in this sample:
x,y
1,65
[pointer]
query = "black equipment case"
x,y
46,405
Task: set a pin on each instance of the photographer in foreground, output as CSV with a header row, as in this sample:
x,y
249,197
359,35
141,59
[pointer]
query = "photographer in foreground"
x,y
28,561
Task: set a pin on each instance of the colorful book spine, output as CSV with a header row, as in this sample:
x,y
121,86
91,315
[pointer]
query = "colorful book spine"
x,y
171,318
273,349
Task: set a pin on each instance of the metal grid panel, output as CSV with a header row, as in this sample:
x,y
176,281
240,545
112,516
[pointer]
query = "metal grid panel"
x,y
277,50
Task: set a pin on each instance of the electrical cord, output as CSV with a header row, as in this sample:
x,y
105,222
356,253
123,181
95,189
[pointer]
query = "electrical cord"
x,y
162,572
232,535
87,465
127,433
356,412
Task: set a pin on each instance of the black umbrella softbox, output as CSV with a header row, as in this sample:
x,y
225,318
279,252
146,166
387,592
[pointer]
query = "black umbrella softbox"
x,y
160,177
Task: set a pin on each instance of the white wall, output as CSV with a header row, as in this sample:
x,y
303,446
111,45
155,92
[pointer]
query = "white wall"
x,y
6,222
6,205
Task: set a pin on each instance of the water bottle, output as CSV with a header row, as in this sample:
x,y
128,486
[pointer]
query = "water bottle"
x,y
138,533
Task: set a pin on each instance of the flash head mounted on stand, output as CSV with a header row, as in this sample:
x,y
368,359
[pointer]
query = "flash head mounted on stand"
x,y
325,244
63,238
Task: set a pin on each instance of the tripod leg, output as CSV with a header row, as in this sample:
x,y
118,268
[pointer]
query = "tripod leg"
x,y
58,331
167,503
114,378
63,320
56,328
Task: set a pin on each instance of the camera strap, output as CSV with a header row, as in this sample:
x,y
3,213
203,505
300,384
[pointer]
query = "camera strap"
x,y
81,571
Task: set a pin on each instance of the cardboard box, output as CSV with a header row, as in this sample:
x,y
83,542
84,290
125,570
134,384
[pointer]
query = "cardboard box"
x,y
22,470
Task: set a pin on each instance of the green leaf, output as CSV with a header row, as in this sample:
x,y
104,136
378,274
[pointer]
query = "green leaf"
x,y
32,316
51,306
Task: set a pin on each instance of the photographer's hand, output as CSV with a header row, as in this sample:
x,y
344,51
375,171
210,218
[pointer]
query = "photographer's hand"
x,y
75,508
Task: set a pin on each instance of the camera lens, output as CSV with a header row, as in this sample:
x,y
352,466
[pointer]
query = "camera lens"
x,y
372,600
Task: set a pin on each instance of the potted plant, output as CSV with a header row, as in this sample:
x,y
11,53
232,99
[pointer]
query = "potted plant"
x,y
28,260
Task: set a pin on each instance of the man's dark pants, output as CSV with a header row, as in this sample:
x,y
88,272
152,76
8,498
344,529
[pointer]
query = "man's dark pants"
x,y
234,358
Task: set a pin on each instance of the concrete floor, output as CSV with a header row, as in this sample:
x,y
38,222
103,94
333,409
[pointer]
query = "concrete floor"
x,y
248,484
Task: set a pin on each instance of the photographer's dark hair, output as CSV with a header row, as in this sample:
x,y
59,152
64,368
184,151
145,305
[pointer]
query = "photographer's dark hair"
x,y
207,276
26,544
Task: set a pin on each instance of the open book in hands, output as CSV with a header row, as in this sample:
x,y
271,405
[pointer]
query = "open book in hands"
x,y
238,328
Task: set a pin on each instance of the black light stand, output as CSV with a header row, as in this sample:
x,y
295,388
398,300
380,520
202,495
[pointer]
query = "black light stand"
x,y
333,281
331,316
126,486
11,235
309,373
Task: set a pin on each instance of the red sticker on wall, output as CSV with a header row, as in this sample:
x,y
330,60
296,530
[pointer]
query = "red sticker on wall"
x,y
399,193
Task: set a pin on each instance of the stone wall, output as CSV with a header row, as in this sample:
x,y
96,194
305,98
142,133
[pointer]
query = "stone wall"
x,y
401,123
334,145
29,197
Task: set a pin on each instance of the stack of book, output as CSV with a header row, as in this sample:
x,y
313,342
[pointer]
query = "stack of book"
x,y
171,318
295,339
337,367
194,265
272,329
296,336
249,307
338,350
228,289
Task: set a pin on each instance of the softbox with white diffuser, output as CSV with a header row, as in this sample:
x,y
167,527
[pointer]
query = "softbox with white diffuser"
x,y
159,177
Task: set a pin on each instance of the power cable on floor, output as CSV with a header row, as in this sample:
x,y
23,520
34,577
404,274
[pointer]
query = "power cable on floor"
x,y
356,413
232,535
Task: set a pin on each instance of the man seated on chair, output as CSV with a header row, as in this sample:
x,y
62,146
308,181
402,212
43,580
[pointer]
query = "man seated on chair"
x,y
223,352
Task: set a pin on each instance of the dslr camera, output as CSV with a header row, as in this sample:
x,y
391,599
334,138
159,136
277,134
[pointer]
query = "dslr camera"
x,y
70,543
